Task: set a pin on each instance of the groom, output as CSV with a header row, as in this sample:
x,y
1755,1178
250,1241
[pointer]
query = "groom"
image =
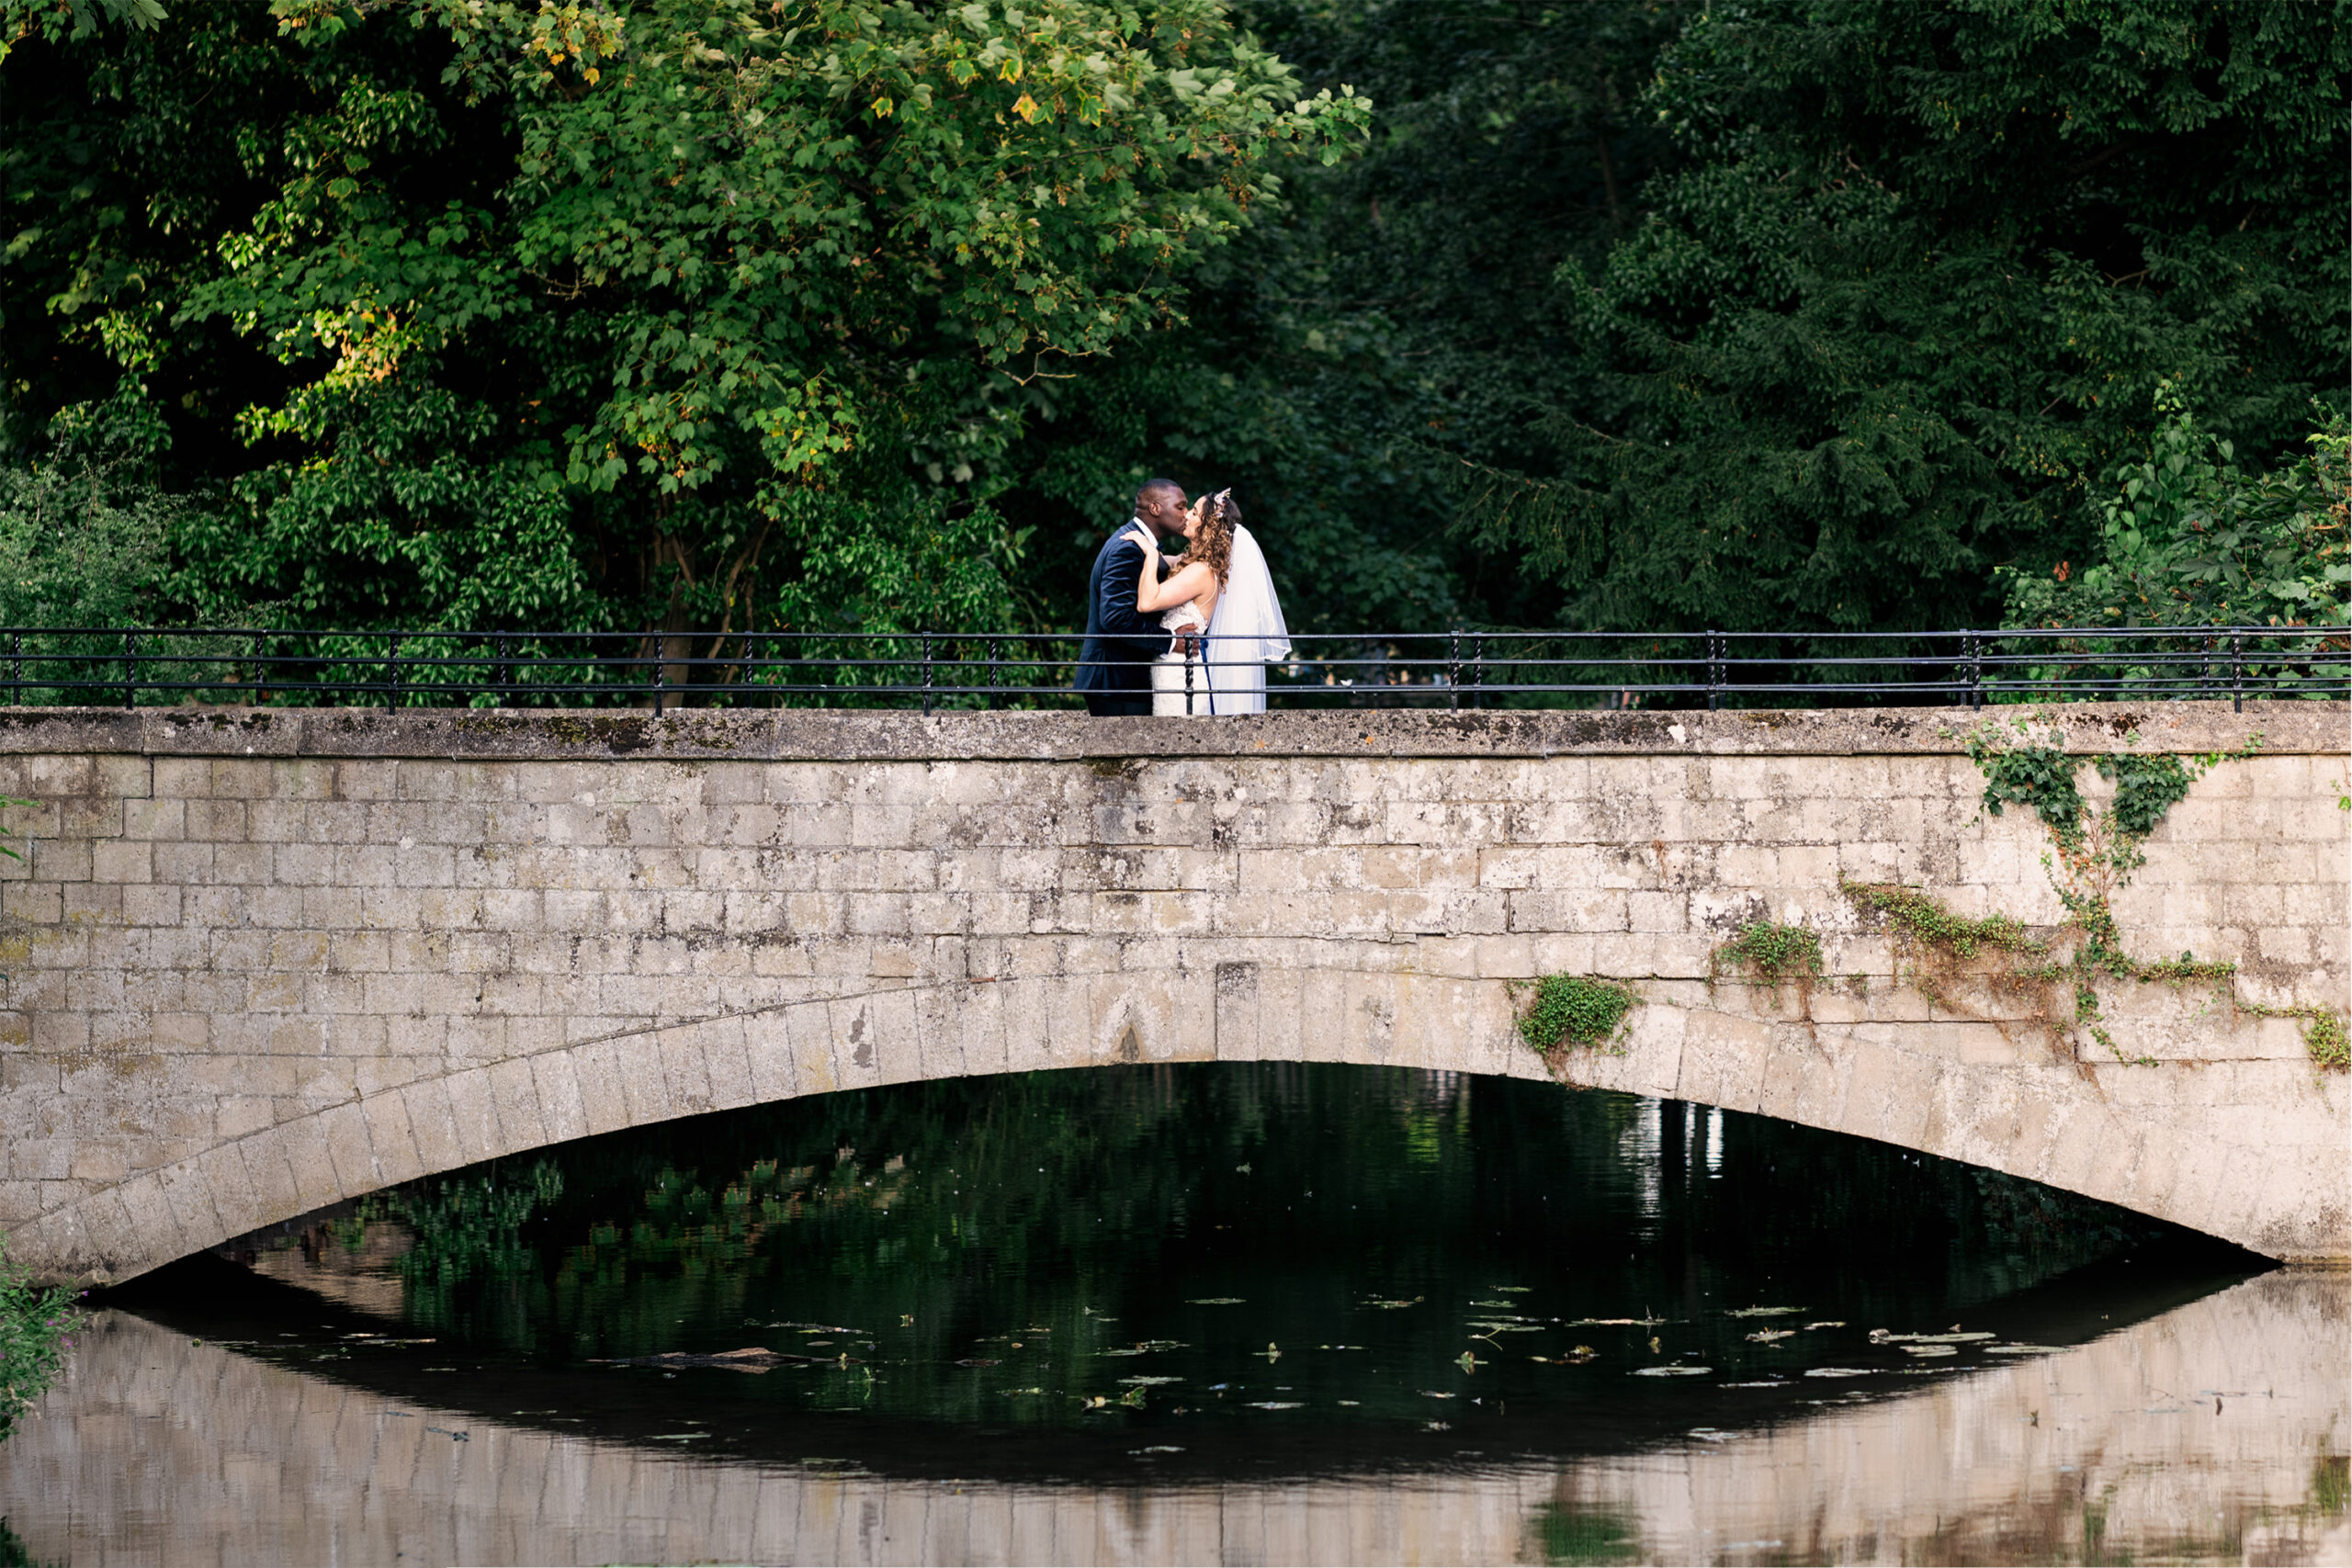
x,y
1114,666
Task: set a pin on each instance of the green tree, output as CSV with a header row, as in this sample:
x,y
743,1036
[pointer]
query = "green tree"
x,y
84,530
1399,315
2187,539
1920,278
701,315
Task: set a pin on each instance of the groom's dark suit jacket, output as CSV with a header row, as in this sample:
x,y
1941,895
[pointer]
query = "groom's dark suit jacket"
x,y
1114,666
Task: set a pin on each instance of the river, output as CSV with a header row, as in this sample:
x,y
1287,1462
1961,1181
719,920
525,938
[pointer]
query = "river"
x,y
1216,1313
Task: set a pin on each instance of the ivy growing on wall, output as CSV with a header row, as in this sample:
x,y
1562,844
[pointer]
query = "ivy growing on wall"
x,y
2092,856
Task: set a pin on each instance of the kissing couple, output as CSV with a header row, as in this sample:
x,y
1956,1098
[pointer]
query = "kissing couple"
x,y
1189,633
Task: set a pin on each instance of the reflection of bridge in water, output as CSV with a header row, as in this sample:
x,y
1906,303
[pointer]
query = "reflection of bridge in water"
x,y
270,960
2216,1430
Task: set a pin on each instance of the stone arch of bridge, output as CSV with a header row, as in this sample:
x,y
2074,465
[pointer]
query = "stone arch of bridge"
x,y
2052,1124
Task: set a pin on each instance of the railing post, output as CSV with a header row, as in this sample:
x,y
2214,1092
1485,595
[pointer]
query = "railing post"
x,y
1975,669
1715,670
2237,673
1453,669
661,672
926,672
506,668
392,665
16,669
130,669
995,701
1478,668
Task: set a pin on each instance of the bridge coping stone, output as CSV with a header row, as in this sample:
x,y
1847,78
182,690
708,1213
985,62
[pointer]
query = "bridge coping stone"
x,y
95,741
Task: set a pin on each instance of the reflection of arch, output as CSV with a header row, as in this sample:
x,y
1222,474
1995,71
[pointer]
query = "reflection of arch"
x,y
1917,1088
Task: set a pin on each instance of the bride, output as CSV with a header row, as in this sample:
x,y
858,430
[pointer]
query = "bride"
x,y
1223,596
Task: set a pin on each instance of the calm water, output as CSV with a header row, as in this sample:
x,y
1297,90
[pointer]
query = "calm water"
x,y
1452,1319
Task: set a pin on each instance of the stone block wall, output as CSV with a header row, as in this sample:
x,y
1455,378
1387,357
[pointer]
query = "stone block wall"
x,y
259,963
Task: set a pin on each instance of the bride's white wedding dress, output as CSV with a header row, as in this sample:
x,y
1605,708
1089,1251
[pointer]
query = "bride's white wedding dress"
x,y
1169,696
1245,633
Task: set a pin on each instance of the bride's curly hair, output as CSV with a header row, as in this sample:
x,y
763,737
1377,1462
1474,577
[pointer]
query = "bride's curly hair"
x,y
1214,542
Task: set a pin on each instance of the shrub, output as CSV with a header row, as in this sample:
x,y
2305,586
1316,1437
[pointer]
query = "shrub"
x,y
35,1323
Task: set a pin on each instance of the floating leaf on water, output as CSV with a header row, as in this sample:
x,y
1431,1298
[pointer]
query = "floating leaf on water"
x,y
1437,1426
978,1361
1770,1382
1093,1401
1880,1337
1218,1300
1512,1289
1763,1312
1931,1350
1270,1355
1393,1306
1134,1397
1838,1371
1468,1362
1616,1322
1671,1371
1158,1448
1767,1336
1276,1404
1493,1303
2024,1350
1151,1383
1827,1322
1348,1402
1432,1394
1711,1435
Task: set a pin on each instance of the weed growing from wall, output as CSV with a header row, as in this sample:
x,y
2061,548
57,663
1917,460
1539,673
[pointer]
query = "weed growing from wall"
x,y
2324,1038
1774,953
2089,861
1572,1010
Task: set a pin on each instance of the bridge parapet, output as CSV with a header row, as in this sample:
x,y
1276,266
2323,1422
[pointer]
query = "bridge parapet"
x,y
259,961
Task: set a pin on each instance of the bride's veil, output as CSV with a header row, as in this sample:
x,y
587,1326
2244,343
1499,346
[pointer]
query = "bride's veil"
x,y
1246,630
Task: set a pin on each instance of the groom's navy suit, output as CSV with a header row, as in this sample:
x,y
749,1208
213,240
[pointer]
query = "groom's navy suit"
x,y
1114,666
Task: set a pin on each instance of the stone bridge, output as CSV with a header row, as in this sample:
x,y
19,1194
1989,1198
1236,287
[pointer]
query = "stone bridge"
x,y
259,961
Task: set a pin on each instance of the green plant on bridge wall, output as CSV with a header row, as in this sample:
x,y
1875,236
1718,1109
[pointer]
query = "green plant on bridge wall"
x,y
2093,855
1774,953
1576,1011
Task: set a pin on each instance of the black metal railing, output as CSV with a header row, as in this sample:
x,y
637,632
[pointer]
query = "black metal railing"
x,y
130,667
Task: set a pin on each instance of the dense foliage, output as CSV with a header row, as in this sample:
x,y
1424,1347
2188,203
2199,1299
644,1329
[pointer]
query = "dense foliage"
x,y
35,1326
2185,538
700,317
1915,289
703,311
